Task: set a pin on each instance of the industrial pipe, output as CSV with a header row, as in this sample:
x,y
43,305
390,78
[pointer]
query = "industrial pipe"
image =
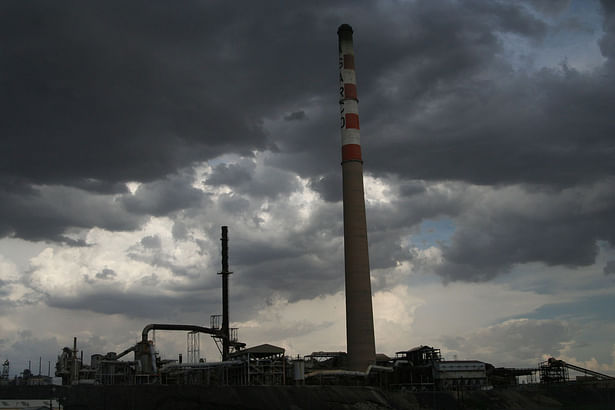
x,y
174,366
371,368
192,328
125,352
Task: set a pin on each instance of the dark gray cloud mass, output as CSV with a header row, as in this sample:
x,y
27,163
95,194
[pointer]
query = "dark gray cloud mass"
x,y
296,116
114,92
97,95
132,91
515,341
558,229
244,178
328,186
151,242
549,6
133,304
106,274
231,175
44,212
607,42
164,196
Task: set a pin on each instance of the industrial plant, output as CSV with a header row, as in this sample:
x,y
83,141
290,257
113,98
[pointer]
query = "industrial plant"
x,y
420,371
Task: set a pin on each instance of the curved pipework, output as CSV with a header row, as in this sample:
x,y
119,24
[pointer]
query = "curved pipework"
x,y
192,328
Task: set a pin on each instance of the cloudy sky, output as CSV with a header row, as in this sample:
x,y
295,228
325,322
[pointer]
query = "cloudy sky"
x,y
131,131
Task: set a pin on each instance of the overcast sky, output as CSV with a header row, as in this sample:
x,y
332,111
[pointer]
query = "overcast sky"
x,y
132,130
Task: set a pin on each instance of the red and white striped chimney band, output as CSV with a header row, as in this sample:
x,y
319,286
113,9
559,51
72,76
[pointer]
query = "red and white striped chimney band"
x,y
349,108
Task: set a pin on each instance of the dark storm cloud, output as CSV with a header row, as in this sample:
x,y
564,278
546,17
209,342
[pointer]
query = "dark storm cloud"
x,y
155,256
97,186
552,127
179,230
106,274
328,186
411,188
514,341
549,6
297,278
555,230
253,253
231,174
45,212
550,130
164,196
595,307
95,98
245,177
91,92
609,268
95,95
295,116
133,304
607,43
122,91
151,242
482,122
134,95
299,260
234,204
434,44
4,288
406,212
461,112
439,101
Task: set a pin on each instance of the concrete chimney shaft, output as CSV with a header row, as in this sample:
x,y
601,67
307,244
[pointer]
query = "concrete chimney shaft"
x,y
359,315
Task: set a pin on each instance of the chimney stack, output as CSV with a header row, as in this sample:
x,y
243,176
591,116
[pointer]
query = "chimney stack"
x,y
225,314
359,316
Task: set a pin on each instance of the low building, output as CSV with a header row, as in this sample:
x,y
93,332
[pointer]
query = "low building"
x,y
460,374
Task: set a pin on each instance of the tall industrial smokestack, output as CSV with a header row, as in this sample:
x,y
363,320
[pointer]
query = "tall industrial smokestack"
x,y
225,315
359,316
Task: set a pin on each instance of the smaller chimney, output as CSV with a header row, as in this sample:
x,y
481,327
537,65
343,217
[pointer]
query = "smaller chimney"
x,y
225,315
